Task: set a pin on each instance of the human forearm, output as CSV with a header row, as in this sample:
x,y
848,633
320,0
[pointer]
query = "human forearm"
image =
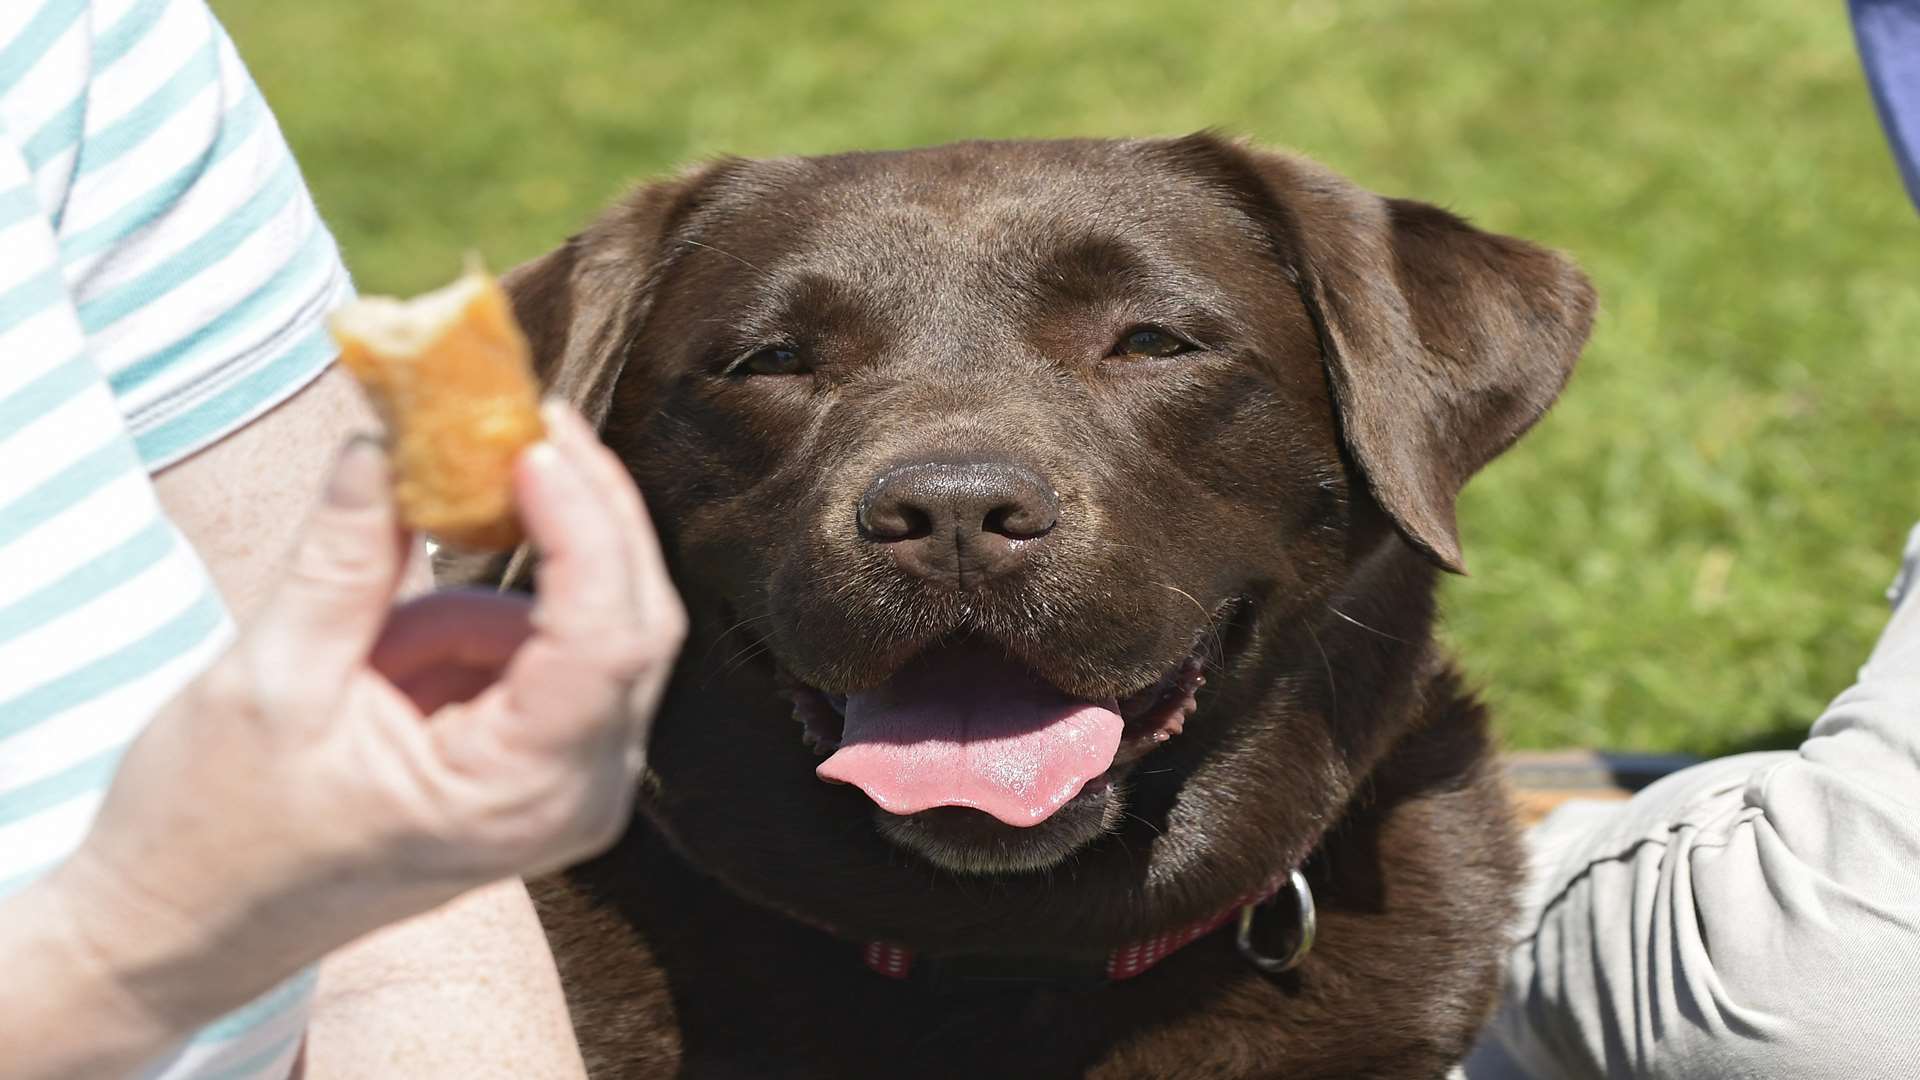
x,y
466,991
501,782
63,1011
241,501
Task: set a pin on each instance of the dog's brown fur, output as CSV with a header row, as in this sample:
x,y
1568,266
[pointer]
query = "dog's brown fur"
x,y
1362,358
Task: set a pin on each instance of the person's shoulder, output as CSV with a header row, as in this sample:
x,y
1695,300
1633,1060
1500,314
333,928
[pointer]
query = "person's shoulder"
x,y
45,51
192,252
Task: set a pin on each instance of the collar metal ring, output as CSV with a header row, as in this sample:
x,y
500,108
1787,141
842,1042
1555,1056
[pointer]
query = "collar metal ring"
x,y
1303,941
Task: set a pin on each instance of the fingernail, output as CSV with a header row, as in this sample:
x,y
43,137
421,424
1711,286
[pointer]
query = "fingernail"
x,y
543,458
359,474
555,411
549,468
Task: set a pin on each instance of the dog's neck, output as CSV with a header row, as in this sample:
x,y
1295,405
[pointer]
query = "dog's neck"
x,y
1092,968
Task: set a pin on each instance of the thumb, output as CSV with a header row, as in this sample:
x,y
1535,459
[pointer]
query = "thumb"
x,y
327,611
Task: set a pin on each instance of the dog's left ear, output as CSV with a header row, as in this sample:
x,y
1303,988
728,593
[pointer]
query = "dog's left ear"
x,y
1443,343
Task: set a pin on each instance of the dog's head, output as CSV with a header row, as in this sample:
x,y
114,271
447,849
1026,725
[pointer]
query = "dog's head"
x,y
979,461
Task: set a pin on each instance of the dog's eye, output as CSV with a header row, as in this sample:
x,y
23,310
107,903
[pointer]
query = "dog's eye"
x,y
1151,341
772,360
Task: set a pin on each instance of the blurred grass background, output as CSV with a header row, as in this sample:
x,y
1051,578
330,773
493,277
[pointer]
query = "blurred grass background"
x,y
1688,554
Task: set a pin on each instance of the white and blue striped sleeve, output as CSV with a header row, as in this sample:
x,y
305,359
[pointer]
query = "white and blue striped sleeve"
x,y
188,241
163,280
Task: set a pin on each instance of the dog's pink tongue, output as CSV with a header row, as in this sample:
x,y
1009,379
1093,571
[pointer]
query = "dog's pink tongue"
x,y
960,727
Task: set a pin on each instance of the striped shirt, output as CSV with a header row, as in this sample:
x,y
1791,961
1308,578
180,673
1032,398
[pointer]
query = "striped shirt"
x,y
163,277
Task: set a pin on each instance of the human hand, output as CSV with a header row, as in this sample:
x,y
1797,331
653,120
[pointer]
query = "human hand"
x,y
347,763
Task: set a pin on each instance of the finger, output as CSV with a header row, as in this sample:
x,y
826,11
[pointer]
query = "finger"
x,y
461,628
575,438
325,614
584,581
566,685
657,604
657,609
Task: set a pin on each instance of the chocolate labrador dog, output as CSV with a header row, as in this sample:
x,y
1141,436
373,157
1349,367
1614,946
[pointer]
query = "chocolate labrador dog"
x,y
1059,523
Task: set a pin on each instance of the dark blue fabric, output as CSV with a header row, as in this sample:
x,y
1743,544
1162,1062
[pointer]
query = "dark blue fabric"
x,y
1888,33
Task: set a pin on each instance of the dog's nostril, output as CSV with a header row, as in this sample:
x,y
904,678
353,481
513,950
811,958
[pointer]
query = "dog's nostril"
x,y
1023,520
892,519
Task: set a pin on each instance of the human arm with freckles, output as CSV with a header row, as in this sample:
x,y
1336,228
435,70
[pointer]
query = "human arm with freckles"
x,y
468,990
470,986
334,800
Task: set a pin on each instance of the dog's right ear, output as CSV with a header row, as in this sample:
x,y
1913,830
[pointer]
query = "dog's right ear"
x,y
582,303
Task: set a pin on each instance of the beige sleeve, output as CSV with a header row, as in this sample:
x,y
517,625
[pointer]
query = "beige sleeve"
x,y
1757,916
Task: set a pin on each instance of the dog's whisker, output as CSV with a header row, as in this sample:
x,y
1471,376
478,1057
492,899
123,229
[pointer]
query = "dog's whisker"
x,y
1364,626
1156,829
1204,613
1121,840
719,251
753,648
1333,687
743,623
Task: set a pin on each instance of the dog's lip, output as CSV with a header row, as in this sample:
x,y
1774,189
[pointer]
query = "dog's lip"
x,y
1153,713
1150,720
1133,707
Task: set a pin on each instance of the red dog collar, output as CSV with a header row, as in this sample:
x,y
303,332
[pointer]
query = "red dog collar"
x,y
897,961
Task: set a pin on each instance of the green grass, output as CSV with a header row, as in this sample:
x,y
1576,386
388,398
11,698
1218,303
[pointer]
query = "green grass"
x,y
1688,554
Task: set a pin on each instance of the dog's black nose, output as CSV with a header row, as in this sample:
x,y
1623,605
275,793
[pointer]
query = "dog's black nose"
x,y
958,522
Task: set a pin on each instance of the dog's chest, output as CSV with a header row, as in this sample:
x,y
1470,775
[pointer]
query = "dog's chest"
x,y
684,978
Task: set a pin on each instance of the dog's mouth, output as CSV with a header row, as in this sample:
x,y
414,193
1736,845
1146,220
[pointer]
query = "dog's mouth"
x,y
964,725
